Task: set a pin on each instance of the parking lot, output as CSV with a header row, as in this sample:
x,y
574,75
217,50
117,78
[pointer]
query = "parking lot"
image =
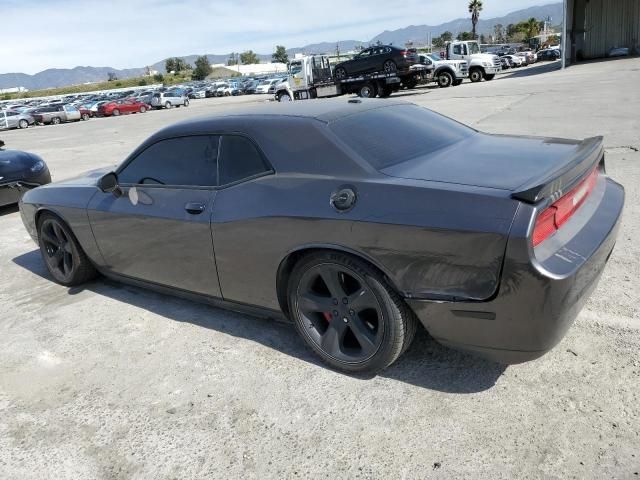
x,y
111,381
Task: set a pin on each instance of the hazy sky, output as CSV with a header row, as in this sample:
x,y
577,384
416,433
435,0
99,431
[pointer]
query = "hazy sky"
x,y
41,34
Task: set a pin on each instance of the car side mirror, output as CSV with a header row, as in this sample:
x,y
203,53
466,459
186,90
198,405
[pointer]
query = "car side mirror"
x,y
108,183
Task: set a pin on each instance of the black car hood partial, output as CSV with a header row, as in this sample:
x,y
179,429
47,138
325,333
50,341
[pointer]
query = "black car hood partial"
x,y
494,161
13,163
89,178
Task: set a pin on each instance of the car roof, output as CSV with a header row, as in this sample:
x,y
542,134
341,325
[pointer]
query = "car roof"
x,y
325,111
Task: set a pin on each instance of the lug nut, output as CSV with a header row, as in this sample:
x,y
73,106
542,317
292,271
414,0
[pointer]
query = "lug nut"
x,y
345,300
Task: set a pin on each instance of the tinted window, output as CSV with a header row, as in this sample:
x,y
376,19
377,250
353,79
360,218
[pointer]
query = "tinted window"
x,y
176,161
239,158
387,136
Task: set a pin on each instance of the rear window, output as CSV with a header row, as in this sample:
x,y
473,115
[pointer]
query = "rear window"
x,y
392,135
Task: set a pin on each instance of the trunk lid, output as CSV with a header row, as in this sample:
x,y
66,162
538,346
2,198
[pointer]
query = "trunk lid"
x,y
532,168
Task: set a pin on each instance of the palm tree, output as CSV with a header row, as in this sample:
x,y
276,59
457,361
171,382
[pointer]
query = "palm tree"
x,y
475,6
532,27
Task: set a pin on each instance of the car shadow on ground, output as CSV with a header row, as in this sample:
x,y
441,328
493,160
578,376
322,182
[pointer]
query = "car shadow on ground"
x,y
426,364
8,209
540,68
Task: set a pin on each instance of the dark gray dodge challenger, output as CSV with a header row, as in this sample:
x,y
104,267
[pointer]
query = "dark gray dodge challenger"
x,y
355,219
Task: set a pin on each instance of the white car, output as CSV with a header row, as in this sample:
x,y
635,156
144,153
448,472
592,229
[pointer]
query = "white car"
x,y
517,61
268,86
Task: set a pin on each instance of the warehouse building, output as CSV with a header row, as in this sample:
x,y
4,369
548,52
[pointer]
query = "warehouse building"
x,y
593,27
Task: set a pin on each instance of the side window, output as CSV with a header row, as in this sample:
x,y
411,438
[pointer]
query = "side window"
x,y
457,49
239,158
188,161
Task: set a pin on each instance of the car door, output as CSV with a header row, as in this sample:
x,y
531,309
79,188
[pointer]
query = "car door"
x,y
159,229
3,120
12,119
236,228
72,113
361,62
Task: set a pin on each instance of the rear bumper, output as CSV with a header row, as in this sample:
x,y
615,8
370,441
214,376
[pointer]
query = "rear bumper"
x,y
541,292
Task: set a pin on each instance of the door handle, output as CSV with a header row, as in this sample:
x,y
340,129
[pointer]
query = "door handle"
x,y
194,208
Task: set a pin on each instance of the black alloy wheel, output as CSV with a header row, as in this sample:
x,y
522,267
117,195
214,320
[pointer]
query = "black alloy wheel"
x,y
62,254
347,314
389,66
340,73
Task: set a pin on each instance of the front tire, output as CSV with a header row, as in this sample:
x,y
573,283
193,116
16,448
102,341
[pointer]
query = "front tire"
x,y
445,80
116,112
284,97
168,105
62,254
23,124
186,102
143,109
56,121
346,312
85,116
475,75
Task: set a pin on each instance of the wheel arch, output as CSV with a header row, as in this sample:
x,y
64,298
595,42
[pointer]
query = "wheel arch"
x,y
288,263
445,68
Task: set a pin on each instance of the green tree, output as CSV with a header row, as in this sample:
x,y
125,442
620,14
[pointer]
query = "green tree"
x,y
158,77
181,65
170,65
498,33
475,7
203,68
280,55
465,36
233,59
248,57
437,42
531,28
447,36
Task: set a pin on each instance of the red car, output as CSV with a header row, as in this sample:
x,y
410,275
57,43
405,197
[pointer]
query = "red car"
x,y
85,113
119,107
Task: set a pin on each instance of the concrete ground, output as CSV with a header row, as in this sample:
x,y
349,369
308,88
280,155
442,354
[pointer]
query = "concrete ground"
x,y
113,382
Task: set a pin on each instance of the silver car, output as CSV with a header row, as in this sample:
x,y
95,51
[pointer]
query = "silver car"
x,y
169,100
12,119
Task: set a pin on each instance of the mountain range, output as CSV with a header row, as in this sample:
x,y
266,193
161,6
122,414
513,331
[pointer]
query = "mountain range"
x,y
59,77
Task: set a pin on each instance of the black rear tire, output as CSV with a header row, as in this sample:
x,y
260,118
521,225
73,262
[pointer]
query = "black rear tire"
x,y
386,92
368,90
62,254
369,325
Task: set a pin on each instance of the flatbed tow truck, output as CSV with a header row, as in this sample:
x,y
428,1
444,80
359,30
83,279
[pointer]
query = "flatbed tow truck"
x,y
312,77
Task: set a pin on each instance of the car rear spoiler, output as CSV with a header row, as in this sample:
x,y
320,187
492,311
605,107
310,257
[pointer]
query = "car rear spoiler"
x,y
589,153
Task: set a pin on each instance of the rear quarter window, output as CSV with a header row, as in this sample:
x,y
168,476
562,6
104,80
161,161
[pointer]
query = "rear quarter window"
x,y
391,135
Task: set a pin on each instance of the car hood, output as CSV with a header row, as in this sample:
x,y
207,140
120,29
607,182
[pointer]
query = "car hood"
x,y
88,178
495,161
16,161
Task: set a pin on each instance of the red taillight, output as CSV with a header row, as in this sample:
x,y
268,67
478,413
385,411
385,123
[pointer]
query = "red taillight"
x,y
403,53
554,216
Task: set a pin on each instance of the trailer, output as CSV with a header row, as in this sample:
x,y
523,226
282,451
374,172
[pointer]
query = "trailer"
x,y
312,77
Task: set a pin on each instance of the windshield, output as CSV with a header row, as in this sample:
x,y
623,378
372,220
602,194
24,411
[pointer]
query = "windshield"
x,y
434,57
295,68
473,48
388,136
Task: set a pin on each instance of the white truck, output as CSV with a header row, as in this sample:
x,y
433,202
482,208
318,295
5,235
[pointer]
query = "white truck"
x,y
481,65
446,72
312,77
